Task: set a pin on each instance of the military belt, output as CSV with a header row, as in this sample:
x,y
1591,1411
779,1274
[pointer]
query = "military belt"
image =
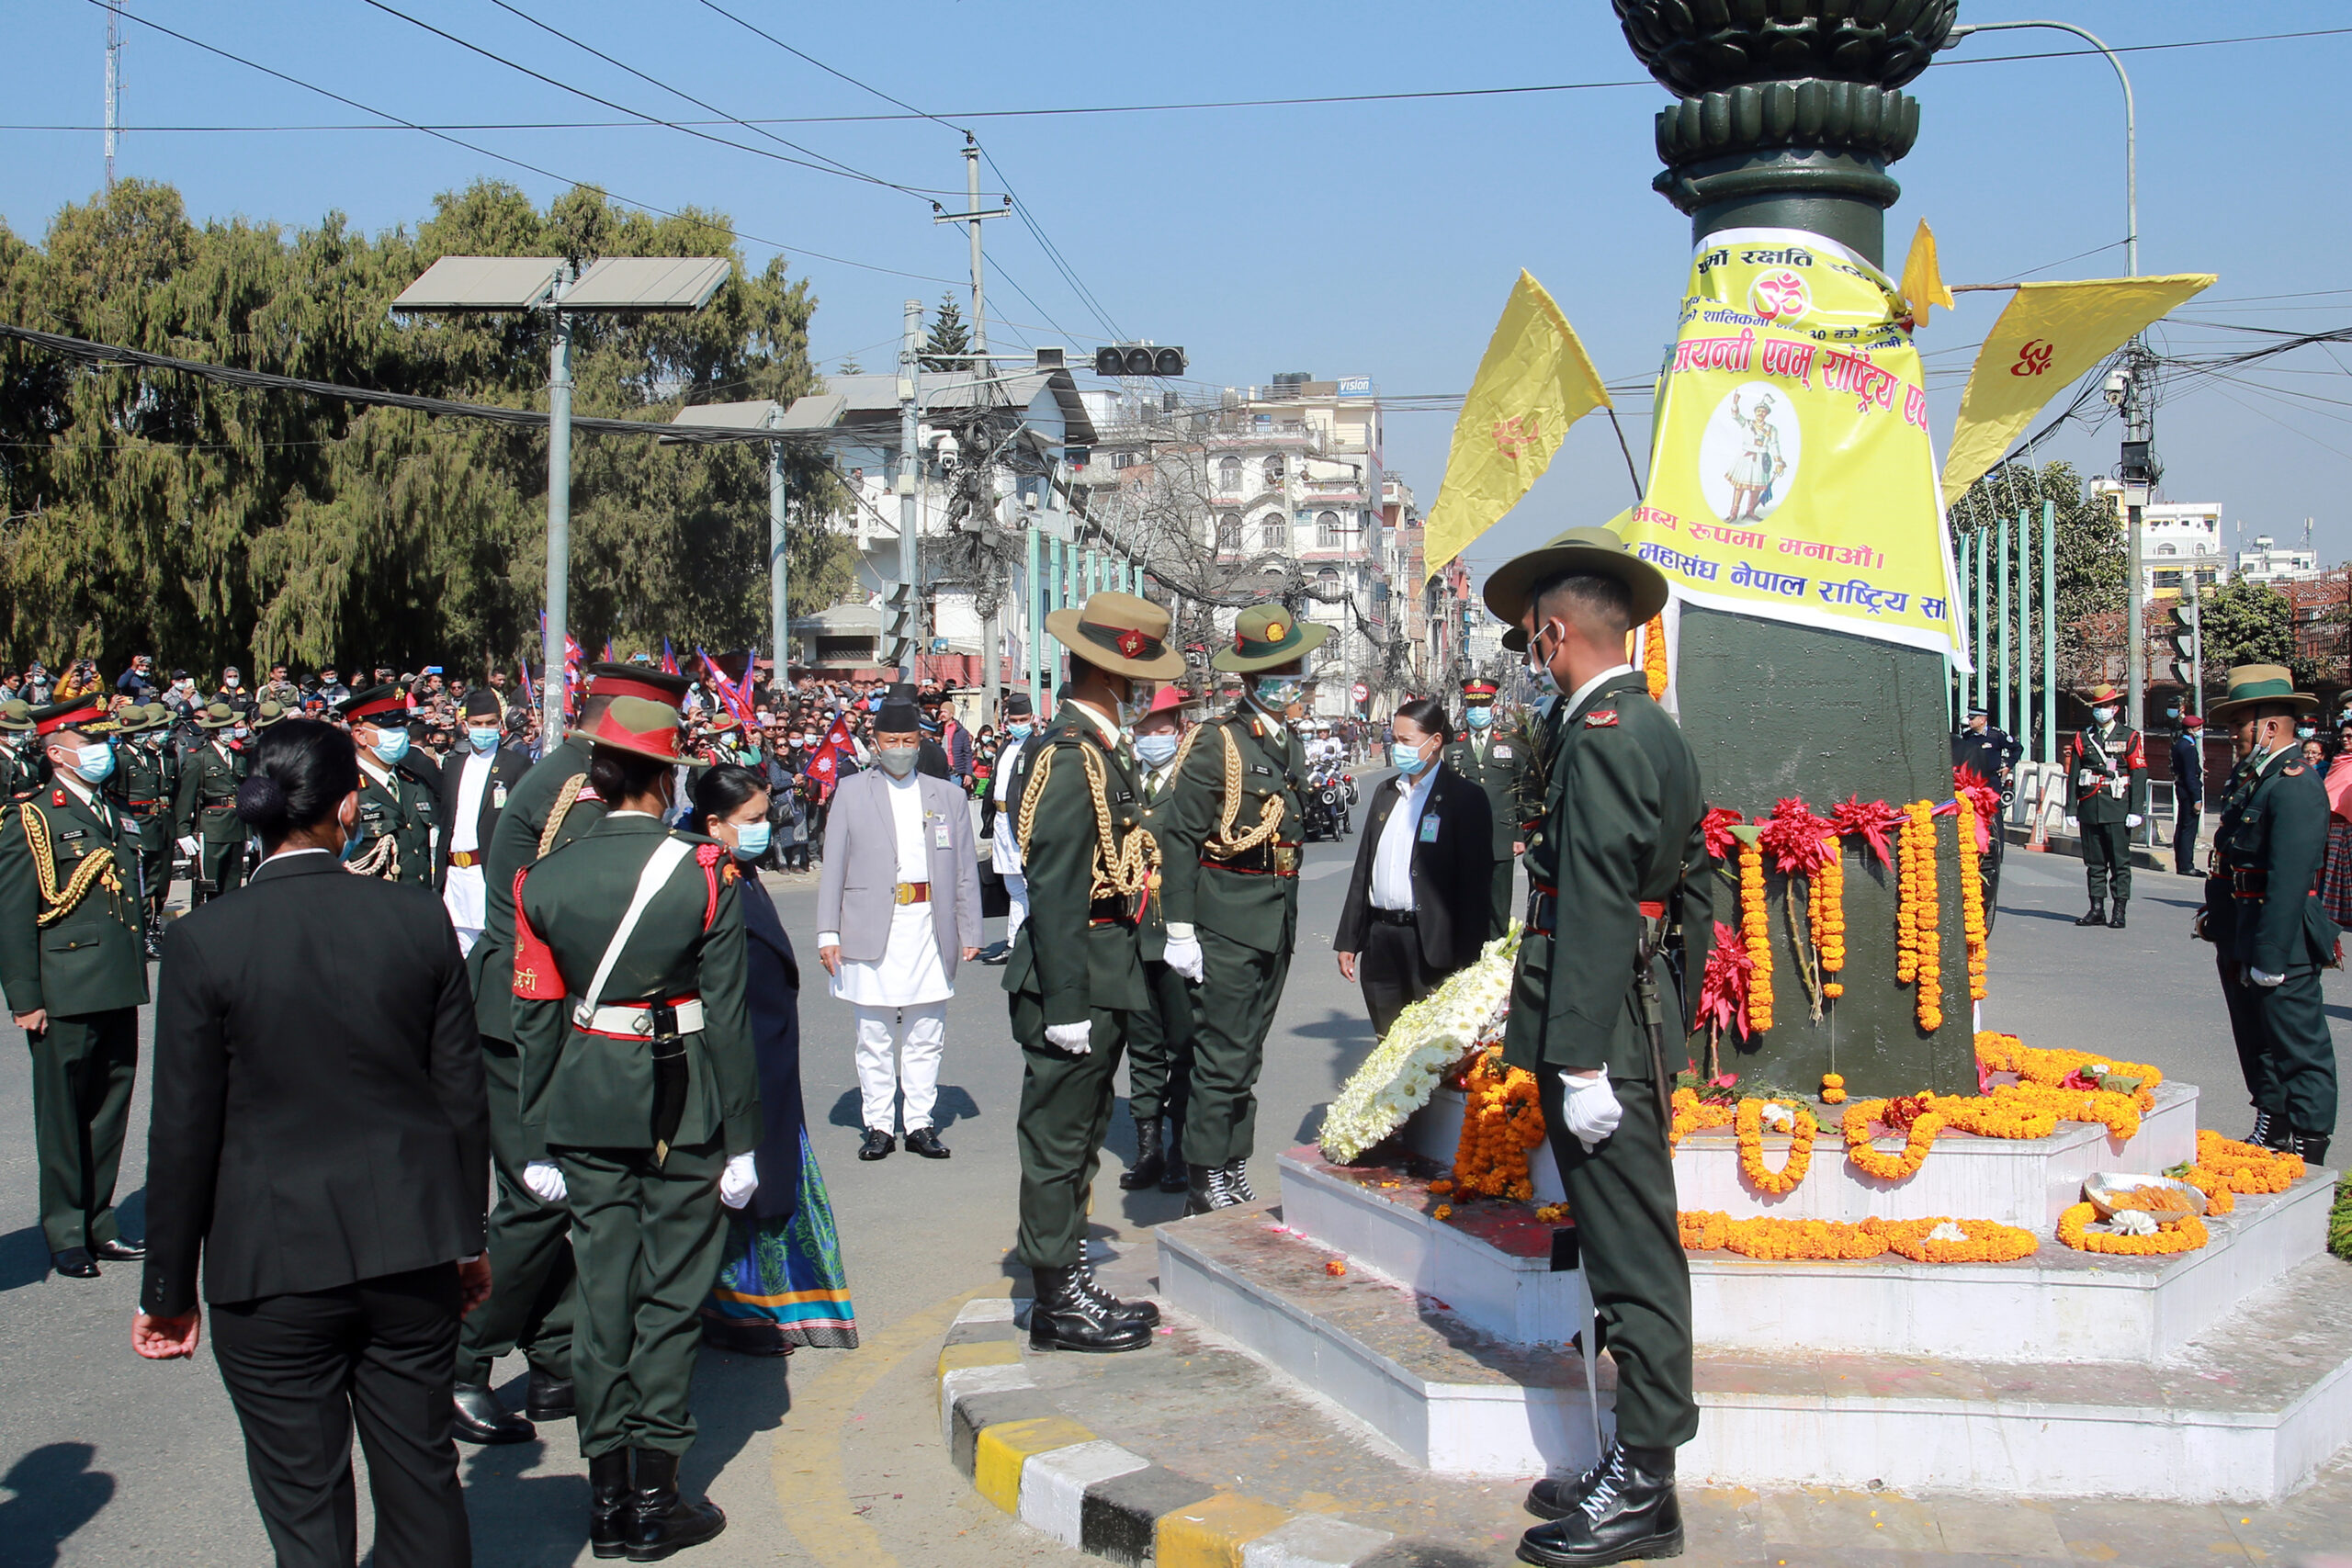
x,y
1279,858
636,1020
1116,911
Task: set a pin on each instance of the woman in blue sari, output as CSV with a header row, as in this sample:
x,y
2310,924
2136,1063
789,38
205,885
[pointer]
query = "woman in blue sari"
x,y
781,1286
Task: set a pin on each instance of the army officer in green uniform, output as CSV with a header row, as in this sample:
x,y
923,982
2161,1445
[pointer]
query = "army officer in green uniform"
x,y
1075,973
1232,856
74,967
2270,936
145,788
2107,763
206,809
640,1111
1622,861
1497,764
396,806
20,770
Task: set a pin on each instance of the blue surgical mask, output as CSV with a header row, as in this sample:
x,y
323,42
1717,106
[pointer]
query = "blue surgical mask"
x,y
482,740
1276,693
2105,716
1408,759
391,745
1478,717
93,761
1156,749
1546,683
1019,731
751,840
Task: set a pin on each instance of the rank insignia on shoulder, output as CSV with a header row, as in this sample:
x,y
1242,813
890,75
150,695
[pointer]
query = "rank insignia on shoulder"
x,y
57,798
2292,770
1601,718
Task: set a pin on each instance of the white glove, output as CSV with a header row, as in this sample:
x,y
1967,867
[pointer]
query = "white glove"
x,y
2259,978
544,1179
187,846
1077,1039
2132,820
1184,957
1591,1108
739,1181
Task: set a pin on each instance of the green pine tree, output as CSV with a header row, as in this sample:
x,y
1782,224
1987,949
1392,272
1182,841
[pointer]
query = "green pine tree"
x,y
948,338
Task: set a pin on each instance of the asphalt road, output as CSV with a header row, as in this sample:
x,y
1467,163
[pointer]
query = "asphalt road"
x,y
833,1457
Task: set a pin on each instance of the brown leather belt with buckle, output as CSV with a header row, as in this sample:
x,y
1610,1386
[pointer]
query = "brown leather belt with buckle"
x,y
466,857
912,893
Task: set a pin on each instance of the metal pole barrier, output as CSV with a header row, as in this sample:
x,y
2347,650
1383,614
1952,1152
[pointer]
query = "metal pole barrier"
x,y
2006,715
2049,630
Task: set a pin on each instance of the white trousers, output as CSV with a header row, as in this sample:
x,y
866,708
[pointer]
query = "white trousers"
x,y
1016,897
921,1034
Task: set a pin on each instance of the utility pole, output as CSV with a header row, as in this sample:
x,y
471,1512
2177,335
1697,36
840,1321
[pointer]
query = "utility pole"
x,y
113,83
910,484
992,635
551,684
779,613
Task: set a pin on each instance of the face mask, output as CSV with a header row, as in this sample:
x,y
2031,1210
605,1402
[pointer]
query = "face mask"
x,y
1478,717
1018,731
897,761
1408,759
751,840
1276,693
2105,716
2305,732
391,745
93,762
1130,710
482,740
1157,750
231,683
238,733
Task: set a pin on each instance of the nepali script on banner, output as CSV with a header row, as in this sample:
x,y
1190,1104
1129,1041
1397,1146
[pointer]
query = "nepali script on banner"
x,y
1791,475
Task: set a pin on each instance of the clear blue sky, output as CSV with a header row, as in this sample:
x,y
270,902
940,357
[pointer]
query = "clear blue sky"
x,y
1372,239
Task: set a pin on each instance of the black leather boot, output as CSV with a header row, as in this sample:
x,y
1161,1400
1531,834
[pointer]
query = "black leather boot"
x,y
1145,1313
1630,1512
608,1502
2265,1130
1236,1181
1207,1189
2312,1146
660,1521
1555,1495
2098,916
2115,920
550,1398
481,1419
1150,1157
1175,1176
1065,1317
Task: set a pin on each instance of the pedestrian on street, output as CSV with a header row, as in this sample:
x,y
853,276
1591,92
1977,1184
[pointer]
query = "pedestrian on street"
x,y
1419,904
1623,862
2270,936
1159,1037
74,968
2108,760
333,1197
2188,793
897,909
640,1113
1500,767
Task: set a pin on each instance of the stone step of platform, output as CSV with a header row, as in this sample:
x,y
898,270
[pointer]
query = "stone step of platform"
x,y
2246,1410
1504,1274
2021,1182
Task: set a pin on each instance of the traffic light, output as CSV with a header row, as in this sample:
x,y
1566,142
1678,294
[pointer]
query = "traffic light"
x,y
897,624
1139,359
2183,634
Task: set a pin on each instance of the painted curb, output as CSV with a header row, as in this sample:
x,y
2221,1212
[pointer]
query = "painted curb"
x,y
1058,1477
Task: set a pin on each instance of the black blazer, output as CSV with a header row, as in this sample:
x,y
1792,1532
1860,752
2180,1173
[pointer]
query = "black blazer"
x,y
774,990
506,767
318,1115
1452,875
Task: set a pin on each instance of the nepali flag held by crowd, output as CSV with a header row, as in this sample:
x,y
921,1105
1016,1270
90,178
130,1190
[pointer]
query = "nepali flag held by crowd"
x,y
824,764
734,697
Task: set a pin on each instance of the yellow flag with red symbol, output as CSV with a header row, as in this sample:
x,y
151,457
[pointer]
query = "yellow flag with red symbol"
x,y
2050,334
1534,382
1923,281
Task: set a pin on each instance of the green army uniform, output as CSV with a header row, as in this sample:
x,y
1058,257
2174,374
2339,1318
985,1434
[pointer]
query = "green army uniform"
x,y
21,771
1500,765
1159,1037
72,942
2108,770
206,808
2262,917
145,788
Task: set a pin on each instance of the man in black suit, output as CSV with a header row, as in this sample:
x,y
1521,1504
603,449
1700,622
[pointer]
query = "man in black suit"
x,y
475,780
2188,793
332,1188
1418,906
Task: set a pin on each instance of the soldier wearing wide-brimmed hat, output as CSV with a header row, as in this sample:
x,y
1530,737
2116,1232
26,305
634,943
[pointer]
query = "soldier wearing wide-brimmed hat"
x,y
1076,975
1500,765
20,767
205,811
1233,850
145,788
74,968
1621,863
2270,936
2107,763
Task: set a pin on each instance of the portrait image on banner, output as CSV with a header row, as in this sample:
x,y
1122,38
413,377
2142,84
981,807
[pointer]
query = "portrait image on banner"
x,y
1791,475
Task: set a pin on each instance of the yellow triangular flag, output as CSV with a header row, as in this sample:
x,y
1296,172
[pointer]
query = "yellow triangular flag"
x,y
2050,334
1923,280
1535,381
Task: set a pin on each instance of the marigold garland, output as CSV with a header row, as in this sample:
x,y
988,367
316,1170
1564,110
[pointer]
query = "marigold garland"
x,y
1833,1089
2245,1167
1872,1160
1919,960
1755,935
1998,1052
1988,1116
1984,1241
2184,1235
1827,909
2219,1199
1654,655
1971,897
1691,1113
1749,1126
1502,1119
1706,1230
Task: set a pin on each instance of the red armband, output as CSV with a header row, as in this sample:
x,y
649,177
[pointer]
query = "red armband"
x,y
537,979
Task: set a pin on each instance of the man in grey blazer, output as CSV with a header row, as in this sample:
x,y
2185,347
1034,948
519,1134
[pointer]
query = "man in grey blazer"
x,y
897,909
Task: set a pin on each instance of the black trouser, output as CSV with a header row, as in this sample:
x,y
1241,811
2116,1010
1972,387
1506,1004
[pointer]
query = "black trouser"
x,y
2285,1051
1159,1046
1621,1198
1393,971
1505,869
301,1369
2190,817
1065,1115
83,1067
2107,859
533,1293
219,868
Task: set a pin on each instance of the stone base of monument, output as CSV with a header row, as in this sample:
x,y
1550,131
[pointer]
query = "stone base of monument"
x,y
2221,1374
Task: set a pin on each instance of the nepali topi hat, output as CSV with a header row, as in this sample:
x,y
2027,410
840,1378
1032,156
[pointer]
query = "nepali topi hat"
x,y
1266,636
1121,633
636,725
1598,550
2251,685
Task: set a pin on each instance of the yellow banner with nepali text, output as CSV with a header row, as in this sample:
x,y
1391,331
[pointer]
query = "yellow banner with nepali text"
x,y
1791,472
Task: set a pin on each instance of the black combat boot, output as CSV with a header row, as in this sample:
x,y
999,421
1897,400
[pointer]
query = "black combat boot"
x,y
608,1502
1174,1177
1150,1157
1063,1317
660,1521
481,1419
1143,1311
1630,1512
1236,1181
2098,916
2312,1146
2265,1134
1208,1190
2115,920
1555,1496
550,1398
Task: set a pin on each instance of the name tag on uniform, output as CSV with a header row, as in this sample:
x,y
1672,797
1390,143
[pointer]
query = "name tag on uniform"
x,y
498,798
1126,797
371,813
939,836
1261,768
1429,830
73,833
1502,754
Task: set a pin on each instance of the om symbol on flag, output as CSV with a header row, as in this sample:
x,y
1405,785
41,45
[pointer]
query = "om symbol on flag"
x,y
1515,435
1780,296
2033,359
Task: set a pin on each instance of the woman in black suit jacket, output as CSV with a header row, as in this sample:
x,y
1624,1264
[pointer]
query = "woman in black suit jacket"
x,y
1401,936
781,1286
330,1168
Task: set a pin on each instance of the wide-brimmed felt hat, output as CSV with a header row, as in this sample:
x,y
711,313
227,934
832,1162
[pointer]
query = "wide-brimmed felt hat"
x,y
1168,699
1121,633
636,725
386,708
87,715
2254,684
1514,639
1265,636
158,716
653,685
2105,692
17,716
1575,550
269,713
218,715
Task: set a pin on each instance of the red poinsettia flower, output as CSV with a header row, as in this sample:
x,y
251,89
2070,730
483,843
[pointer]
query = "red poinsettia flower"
x,y
1723,990
1717,825
1799,842
1870,820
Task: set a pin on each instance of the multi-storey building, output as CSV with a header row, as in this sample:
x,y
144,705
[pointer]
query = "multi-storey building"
x,y
2269,562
